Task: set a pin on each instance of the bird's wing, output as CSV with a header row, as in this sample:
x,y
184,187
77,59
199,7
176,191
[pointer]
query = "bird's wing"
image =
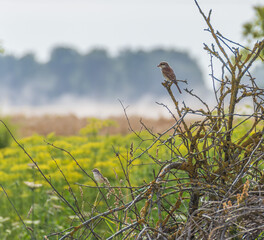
x,y
169,73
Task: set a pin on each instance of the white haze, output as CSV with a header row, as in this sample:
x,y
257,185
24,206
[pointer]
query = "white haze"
x,y
84,107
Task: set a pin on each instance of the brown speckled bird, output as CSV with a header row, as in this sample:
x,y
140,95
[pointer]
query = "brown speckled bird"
x,y
168,73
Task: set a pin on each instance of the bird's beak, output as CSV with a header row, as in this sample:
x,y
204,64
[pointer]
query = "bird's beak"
x,y
158,65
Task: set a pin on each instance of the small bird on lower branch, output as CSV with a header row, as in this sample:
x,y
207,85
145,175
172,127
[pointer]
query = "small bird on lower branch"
x,y
168,73
99,178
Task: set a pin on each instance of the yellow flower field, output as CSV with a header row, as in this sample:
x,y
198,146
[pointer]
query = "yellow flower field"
x,y
64,161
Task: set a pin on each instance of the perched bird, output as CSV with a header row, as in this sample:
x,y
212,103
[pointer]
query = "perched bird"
x,y
99,178
168,73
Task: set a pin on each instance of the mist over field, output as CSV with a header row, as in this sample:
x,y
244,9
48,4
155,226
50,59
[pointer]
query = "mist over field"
x,y
94,83
147,106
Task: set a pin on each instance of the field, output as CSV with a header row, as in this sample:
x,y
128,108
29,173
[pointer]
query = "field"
x,y
69,125
47,181
95,146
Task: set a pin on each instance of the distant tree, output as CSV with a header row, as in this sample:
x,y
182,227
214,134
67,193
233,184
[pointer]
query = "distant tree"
x,y
64,64
27,67
133,67
129,75
96,70
8,70
254,30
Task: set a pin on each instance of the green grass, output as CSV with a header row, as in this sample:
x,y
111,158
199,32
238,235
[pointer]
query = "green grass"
x,y
50,214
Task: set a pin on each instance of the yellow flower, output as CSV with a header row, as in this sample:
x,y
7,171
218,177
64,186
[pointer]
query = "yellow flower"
x,y
62,144
19,167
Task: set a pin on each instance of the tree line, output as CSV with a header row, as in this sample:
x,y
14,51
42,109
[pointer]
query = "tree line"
x,y
96,74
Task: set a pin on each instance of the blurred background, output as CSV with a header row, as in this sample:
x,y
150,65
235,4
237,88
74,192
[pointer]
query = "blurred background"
x,y
81,56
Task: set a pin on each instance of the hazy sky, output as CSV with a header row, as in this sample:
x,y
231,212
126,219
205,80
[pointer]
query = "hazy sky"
x,y
38,26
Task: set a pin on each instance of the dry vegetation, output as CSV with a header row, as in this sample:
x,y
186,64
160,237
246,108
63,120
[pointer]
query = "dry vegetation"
x,y
69,125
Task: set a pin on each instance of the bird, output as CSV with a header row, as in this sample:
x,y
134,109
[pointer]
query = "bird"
x,y
168,74
99,178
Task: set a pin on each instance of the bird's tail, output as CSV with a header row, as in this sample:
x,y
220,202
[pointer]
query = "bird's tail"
x,y
178,87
